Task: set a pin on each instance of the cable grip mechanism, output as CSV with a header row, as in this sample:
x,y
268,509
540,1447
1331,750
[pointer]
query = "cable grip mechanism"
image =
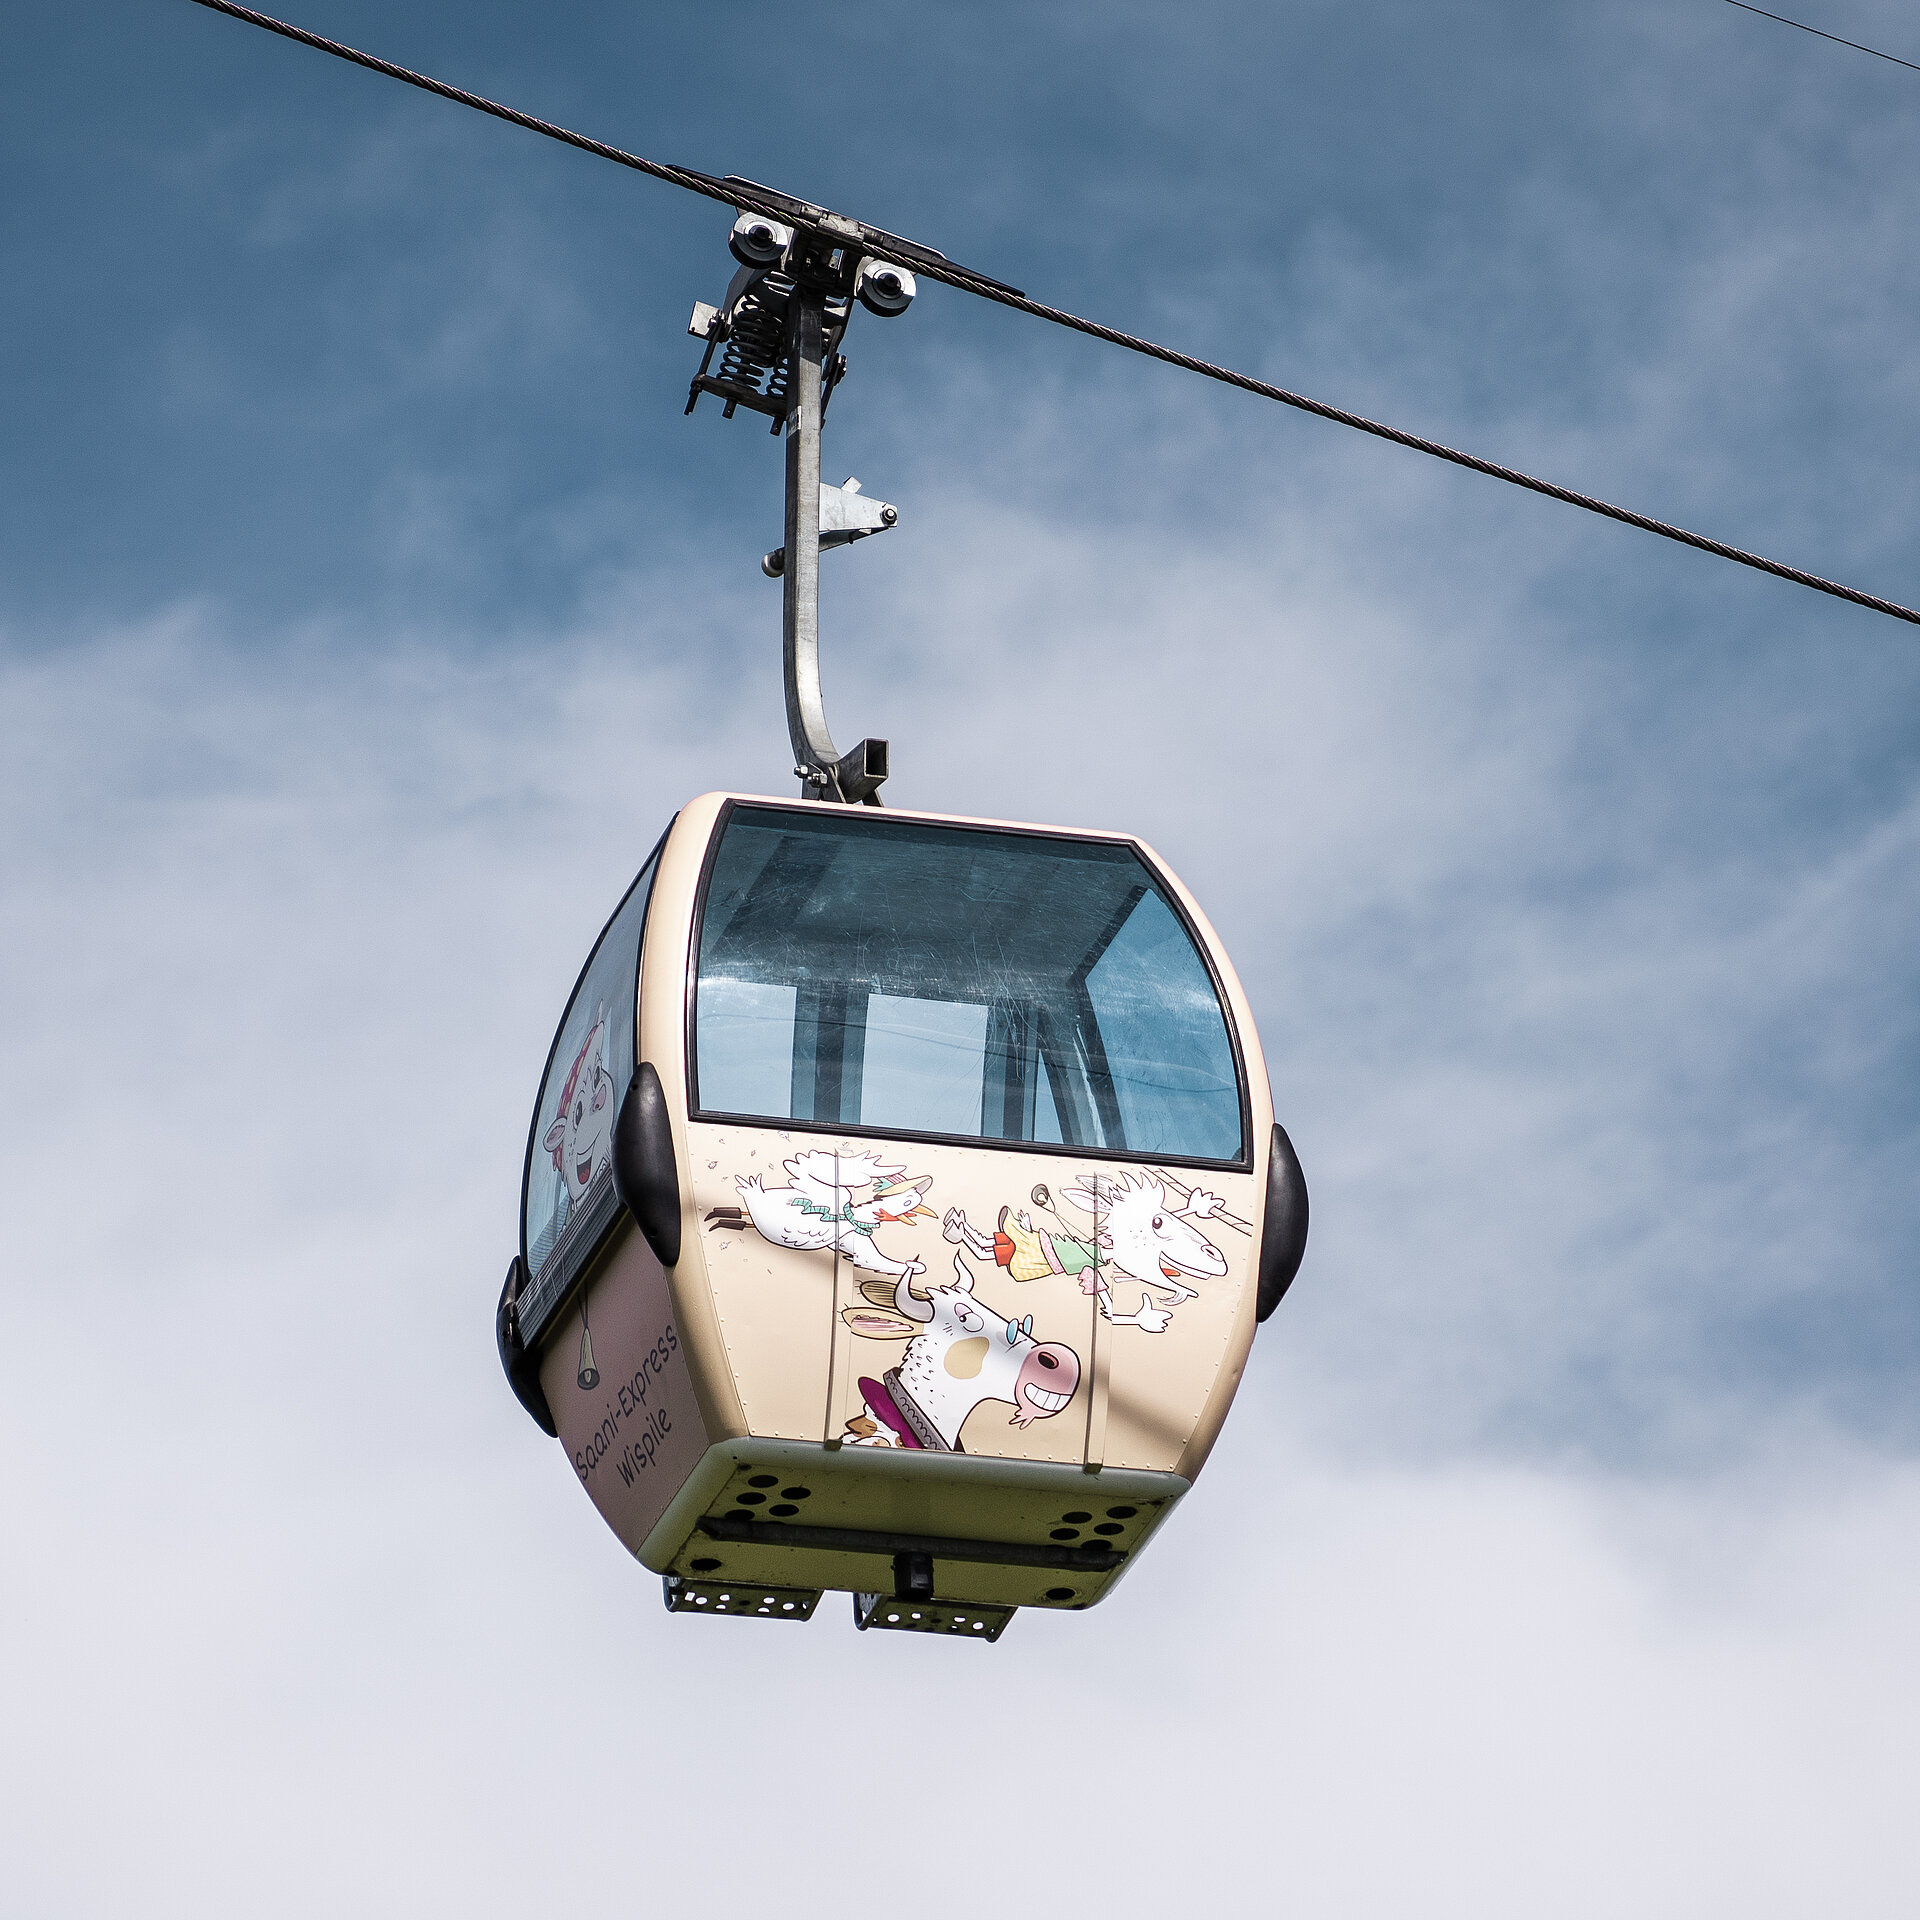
x,y
773,347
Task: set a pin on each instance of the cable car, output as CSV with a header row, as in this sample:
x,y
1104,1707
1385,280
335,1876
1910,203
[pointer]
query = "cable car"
x,y
903,1189
900,1200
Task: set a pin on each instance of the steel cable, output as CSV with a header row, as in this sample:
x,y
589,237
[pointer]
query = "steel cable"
x,y
743,195
1821,34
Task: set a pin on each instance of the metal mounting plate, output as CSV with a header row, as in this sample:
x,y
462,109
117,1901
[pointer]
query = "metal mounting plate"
x,y
960,1619
731,1596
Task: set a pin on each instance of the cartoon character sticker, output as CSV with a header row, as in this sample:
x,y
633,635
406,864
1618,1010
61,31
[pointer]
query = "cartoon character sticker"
x,y
907,1351
581,1137
960,1354
1135,1231
819,1211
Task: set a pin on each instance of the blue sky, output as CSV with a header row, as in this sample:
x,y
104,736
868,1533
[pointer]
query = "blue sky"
x,y
366,606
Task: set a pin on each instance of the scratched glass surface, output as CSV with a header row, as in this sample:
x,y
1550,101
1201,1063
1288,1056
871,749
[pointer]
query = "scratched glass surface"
x,y
857,971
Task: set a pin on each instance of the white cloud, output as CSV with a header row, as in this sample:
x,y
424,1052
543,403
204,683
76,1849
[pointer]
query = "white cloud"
x,y
1559,1556
317,1620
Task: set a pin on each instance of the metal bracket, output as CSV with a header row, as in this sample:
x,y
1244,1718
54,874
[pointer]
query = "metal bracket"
x,y
959,1618
741,1598
846,515
852,779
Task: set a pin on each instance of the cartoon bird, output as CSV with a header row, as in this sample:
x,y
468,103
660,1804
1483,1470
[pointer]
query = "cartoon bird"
x,y
894,1200
818,1210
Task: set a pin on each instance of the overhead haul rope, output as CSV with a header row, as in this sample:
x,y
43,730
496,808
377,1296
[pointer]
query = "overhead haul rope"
x,y
1819,34
748,197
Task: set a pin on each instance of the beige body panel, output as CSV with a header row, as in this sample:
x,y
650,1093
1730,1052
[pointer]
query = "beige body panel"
x,y
1141,1397
635,1435
754,1350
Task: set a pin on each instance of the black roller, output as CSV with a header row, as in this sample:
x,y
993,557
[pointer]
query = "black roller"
x,y
1283,1238
644,1174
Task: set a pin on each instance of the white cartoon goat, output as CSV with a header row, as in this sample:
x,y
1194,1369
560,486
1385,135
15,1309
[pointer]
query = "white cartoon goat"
x,y
1139,1234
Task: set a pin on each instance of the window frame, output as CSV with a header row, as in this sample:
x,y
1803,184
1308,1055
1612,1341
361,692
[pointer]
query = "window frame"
x,y
982,1142
649,871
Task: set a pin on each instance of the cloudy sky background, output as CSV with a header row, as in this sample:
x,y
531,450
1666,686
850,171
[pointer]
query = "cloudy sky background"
x,y
366,607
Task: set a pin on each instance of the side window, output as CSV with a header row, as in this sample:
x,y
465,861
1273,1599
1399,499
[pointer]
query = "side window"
x,y
1168,1059
569,1182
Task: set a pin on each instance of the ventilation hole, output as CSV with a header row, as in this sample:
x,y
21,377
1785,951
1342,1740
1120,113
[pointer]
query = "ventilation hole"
x,y
743,1513
978,1624
1076,1518
1065,1533
1060,1593
891,1618
787,1606
699,1599
786,1507
796,1493
763,1480
750,1499
704,1566
1109,1526
1121,1513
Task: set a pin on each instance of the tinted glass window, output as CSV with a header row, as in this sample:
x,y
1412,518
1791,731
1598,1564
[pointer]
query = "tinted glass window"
x,y
857,971
570,1169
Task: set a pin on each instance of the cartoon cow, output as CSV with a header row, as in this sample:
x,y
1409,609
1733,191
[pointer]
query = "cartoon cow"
x,y
581,1137
959,1353
1139,1234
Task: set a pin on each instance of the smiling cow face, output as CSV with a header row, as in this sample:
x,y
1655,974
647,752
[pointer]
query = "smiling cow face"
x,y
581,1137
962,1353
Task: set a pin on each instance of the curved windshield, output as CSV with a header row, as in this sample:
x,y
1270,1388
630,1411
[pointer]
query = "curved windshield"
x,y
569,1185
862,972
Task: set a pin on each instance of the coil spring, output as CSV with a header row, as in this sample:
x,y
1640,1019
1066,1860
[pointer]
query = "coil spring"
x,y
756,349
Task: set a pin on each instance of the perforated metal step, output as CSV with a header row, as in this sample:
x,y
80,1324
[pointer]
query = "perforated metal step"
x,y
959,1618
730,1596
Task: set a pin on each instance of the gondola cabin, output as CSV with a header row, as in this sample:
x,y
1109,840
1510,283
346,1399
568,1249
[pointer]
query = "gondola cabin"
x,y
901,1198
